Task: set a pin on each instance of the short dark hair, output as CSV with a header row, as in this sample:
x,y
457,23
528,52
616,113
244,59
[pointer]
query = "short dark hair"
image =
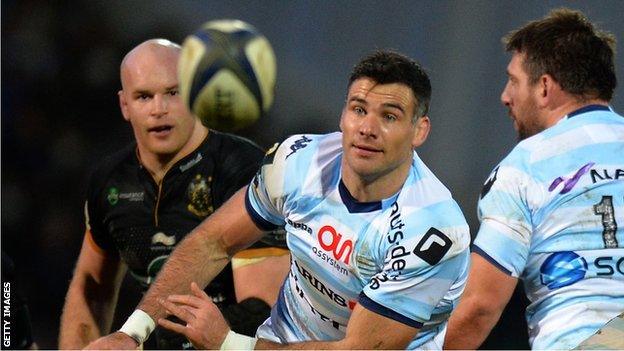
x,y
565,45
386,67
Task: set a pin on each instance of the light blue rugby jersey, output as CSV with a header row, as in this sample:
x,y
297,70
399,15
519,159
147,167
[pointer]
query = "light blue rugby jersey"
x,y
405,257
552,214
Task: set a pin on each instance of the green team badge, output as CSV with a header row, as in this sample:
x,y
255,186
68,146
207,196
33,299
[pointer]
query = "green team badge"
x,y
113,196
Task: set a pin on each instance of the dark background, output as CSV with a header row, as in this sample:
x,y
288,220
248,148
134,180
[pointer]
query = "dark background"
x,y
60,113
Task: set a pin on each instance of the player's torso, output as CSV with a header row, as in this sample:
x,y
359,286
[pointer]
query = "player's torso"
x,y
575,268
146,220
143,220
334,254
340,246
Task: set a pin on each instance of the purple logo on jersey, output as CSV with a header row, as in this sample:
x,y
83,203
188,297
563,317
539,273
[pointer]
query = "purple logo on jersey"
x,y
569,183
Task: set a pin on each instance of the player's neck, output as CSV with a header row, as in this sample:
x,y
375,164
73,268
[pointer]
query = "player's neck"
x,y
366,189
159,164
559,111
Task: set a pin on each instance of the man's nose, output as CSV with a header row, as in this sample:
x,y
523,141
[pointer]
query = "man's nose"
x,y
159,105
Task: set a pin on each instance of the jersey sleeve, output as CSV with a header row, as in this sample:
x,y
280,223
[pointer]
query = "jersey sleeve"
x,y
420,272
504,235
265,194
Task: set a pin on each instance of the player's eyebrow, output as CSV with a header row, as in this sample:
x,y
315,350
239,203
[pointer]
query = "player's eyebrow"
x,y
394,105
358,99
142,92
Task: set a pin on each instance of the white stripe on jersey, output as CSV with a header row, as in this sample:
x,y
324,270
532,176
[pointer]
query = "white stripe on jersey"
x,y
576,138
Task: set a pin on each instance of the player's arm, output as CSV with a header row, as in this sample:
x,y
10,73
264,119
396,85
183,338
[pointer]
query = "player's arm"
x,y
92,296
206,328
488,291
366,330
198,258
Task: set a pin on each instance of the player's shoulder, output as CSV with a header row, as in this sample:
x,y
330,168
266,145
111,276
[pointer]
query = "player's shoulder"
x,y
427,210
112,164
304,146
305,153
427,236
226,143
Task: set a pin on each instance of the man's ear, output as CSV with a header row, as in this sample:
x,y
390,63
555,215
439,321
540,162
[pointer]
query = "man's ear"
x,y
423,126
548,89
123,104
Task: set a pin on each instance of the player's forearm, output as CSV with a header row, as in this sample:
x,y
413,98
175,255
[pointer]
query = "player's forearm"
x,y
198,258
344,344
264,344
86,316
469,325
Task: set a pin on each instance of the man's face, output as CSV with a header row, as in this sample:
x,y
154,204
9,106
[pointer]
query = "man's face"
x,y
520,97
150,101
378,133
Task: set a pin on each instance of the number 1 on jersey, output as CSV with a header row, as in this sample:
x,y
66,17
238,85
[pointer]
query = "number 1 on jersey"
x,y
605,208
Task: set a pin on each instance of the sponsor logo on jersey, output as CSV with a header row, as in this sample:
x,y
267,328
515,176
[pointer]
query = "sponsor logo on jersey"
x,y
191,163
164,239
569,183
332,241
567,267
605,174
433,246
113,196
299,225
322,288
199,195
134,196
332,262
299,292
489,182
298,145
562,269
154,267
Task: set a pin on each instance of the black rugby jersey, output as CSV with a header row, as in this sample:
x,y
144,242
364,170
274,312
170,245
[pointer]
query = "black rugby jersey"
x,y
131,216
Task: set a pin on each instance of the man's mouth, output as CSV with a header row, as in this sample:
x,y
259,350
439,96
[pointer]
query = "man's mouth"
x,y
160,130
366,150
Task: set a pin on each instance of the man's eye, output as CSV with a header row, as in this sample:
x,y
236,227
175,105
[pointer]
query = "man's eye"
x,y
174,92
358,110
390,117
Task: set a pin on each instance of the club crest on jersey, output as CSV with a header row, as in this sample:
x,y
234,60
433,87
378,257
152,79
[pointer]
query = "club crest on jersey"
x,y
200,197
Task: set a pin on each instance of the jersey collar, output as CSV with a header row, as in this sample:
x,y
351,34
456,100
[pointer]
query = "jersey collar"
x,y
588,108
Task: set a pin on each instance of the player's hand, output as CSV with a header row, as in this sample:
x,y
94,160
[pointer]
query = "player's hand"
x,y
204,326
114,341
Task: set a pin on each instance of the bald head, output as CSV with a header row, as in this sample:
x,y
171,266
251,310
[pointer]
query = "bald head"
x,y
147,54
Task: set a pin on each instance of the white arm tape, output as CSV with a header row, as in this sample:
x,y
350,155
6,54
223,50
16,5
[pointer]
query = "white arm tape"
x,y
138,326
234,341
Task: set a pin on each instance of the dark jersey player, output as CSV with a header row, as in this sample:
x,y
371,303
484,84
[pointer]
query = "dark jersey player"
x,y
143,200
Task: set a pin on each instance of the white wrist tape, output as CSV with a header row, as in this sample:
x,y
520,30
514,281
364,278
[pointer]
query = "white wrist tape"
x,y
138,326
234,341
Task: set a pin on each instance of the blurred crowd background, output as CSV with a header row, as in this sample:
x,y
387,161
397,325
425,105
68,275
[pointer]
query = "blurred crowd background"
x,y
60,113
